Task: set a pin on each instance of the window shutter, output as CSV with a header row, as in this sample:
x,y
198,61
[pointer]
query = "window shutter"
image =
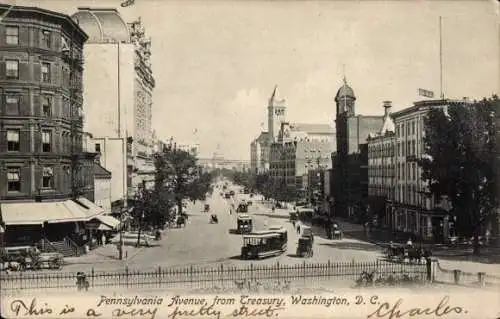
x,y
3,140
24,72
38,178
37,104
24,104
37,71
24,36
2,70
25,178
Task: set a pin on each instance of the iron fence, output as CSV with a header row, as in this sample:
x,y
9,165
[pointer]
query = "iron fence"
x,y
226,277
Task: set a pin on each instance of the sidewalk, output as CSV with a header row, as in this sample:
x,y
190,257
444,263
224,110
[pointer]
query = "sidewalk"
x,y
104,254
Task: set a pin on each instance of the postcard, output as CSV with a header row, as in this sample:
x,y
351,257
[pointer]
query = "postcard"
x,y
249,159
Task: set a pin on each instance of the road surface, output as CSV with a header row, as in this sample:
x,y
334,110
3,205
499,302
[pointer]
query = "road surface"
x,y
202,243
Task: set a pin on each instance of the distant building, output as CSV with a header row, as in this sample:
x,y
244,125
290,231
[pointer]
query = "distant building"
x,y
350,163
192,149
259,154
296,149
102,187
117,97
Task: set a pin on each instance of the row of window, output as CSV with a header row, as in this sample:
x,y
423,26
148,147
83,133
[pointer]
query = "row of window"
x,y
13,102
409,194
14,178
411,128
380,150
12,70
12,36
410,174
14,142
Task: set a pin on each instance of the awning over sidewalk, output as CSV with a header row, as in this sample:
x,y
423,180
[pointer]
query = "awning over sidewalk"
x,y
38,213
108,221
91,209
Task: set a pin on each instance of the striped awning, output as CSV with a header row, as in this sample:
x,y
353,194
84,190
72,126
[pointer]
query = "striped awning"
x,y
90,208
108,220
38,213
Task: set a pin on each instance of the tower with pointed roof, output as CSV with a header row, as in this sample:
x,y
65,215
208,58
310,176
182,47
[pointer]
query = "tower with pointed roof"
x,y
276,114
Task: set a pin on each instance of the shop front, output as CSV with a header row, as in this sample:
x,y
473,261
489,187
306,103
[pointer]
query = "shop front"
x,y
29,223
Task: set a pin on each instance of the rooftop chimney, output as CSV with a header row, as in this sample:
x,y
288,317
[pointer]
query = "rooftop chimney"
x,y
387,108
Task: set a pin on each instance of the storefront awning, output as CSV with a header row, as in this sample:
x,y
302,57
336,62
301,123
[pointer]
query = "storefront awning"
x,y
104,227
91,209
108,221
38,213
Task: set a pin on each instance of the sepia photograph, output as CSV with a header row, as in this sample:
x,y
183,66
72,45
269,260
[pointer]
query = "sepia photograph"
x,y
234,159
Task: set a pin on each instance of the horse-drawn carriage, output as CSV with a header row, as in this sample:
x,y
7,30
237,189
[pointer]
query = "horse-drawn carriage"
x,y
31,259
400,253
305,247
333,231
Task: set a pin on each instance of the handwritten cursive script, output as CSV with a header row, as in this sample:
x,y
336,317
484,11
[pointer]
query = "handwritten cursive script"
x,y
196,313
244,311
127,3
135,312
386,310
20,308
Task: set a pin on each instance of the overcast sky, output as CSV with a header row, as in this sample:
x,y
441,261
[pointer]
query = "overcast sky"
x,y
216,62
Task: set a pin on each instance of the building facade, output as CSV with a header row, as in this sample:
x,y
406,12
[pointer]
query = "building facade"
x,y
118,89
350,163
102,186
381,169
46,169
259,154
412,210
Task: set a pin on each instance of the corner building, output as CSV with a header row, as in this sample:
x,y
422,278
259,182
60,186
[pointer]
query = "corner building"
x,y
46,179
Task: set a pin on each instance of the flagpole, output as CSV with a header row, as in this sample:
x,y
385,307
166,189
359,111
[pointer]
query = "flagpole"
x,y
441,56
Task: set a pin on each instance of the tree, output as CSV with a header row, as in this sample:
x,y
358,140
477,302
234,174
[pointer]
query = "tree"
x,y
178,177
459,161
264,184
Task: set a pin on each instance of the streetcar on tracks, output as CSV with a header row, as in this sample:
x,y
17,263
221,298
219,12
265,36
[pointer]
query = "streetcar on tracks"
x,y
264,244
244,224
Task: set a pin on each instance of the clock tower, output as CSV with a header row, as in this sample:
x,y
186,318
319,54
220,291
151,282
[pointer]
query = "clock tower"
x,y
276,114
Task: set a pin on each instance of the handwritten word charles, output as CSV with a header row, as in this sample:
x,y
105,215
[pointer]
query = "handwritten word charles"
x,y
389,311
127,3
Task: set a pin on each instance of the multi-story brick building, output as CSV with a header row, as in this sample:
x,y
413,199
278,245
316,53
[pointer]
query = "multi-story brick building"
x,y
350,163
381,167
45,168
411,210
118,88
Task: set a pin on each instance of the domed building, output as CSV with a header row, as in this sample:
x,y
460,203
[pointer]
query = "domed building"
x,y
118,88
